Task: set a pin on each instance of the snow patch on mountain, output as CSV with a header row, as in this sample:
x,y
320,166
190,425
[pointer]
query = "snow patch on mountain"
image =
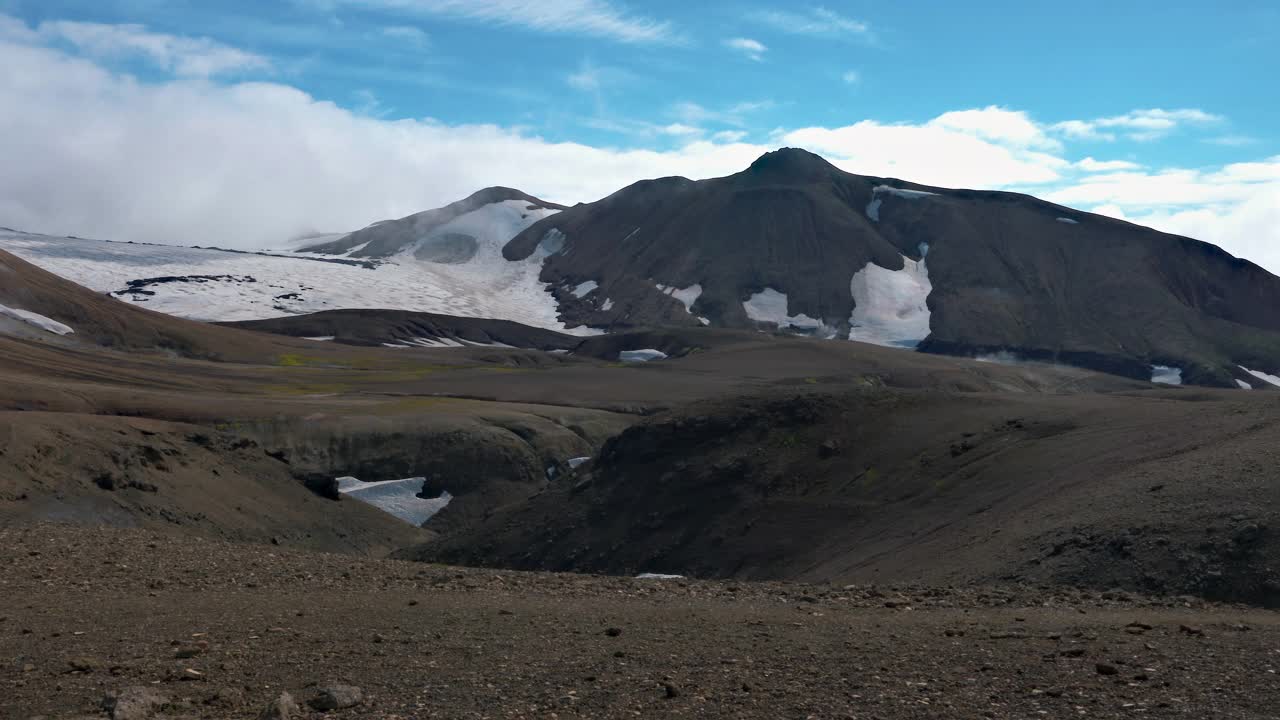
x,y
396,497
584,289
688,296
1068,221
1272,379
36,320
248,286
873,207
641,355
1243,385
1166,375
1003,357
551,243
890,307
770,306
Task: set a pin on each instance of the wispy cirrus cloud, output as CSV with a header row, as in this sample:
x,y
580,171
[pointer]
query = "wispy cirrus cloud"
x,y
407,33
185,56
1233,140
692,113
1138,125
816,21
597,18
1089,164
752,49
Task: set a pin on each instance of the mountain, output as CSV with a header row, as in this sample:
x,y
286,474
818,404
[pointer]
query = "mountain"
x,y
791,244
41,307
446,261
450,235
795,243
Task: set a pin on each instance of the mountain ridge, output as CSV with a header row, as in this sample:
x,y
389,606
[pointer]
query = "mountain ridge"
x,y
387,237
782,243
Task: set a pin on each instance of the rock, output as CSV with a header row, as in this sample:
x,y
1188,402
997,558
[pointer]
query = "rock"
x,y
282,708
613,632
82,664
324,485
138,702
186,653
1106,669
671,690
828,449
1191,629
336,697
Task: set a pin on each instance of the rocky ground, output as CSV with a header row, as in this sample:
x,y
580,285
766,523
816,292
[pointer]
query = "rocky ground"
x,y
168,626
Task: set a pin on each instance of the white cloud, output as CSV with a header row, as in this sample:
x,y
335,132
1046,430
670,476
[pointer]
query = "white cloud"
x,y
817,21
1091,165
691,113
994,123
1236,206
186,161
932,154
598,18
753,49
587,78
1138,125
408,33
1233,140
851,77
681,130
1248,229
189,57
1081,130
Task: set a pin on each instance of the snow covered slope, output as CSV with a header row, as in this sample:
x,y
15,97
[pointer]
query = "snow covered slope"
x,y
891,307
397,497
36,320
458,269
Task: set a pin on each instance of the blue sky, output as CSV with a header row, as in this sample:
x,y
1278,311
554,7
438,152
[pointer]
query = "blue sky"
x,y
904,62
1161,112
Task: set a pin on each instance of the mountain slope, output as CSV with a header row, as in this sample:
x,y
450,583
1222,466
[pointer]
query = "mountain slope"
x,y
90,318
432,234
796,243
455,268
400,328
895,486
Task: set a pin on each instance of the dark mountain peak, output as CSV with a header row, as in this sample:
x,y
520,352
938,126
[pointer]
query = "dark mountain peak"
x,y
790,165
498,193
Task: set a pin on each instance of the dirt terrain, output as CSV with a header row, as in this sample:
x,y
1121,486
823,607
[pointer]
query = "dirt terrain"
x,y
975,536
215,630
1159,492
